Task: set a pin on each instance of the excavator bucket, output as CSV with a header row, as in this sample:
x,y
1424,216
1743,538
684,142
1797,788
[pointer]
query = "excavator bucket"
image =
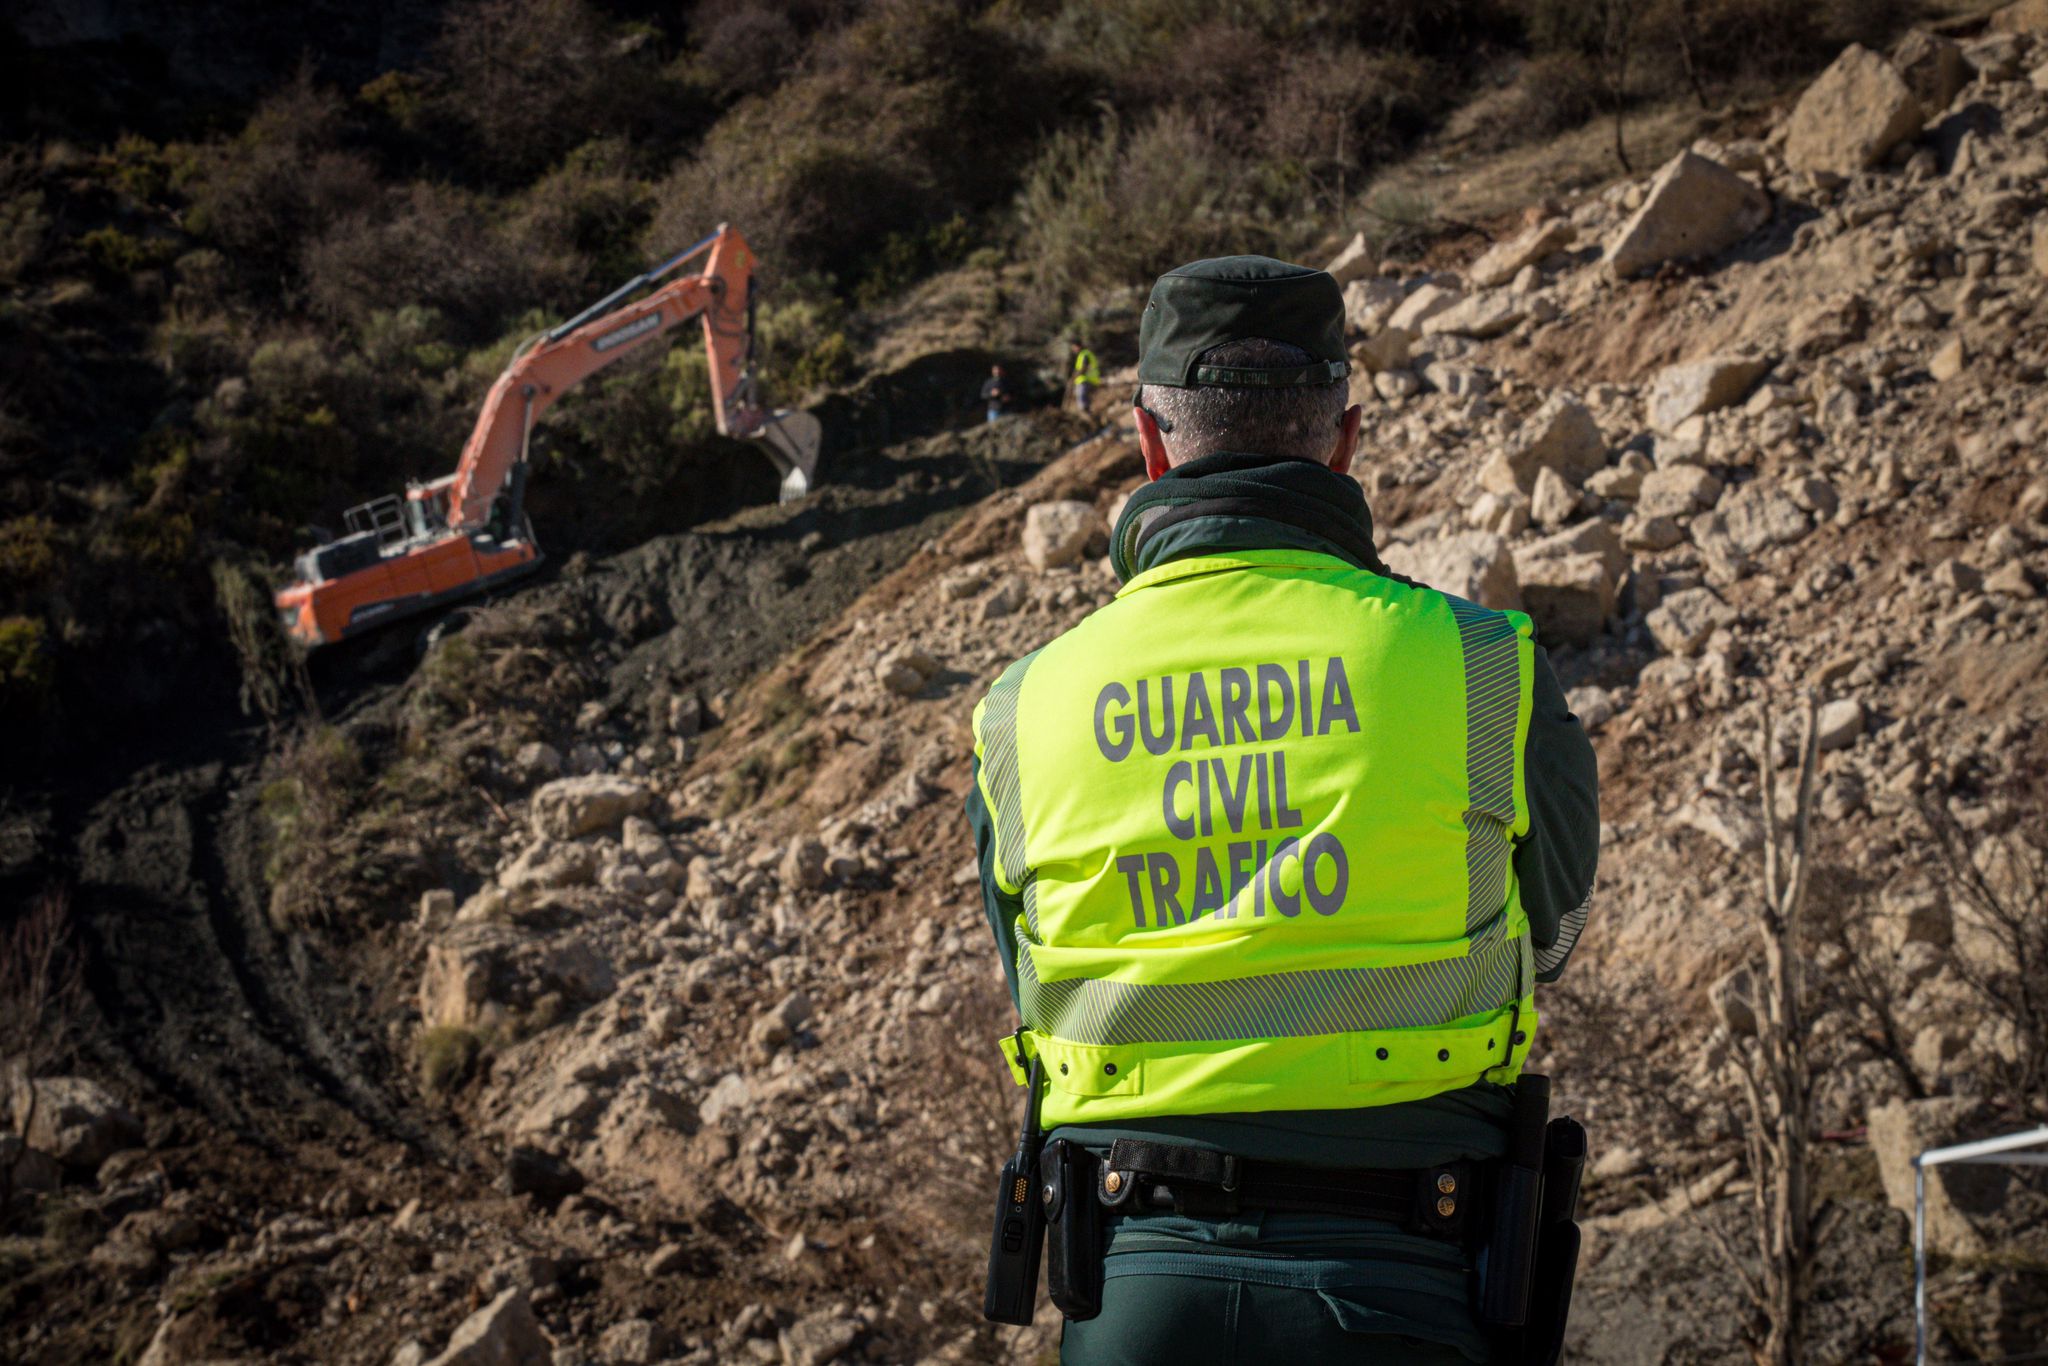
x,y
793,438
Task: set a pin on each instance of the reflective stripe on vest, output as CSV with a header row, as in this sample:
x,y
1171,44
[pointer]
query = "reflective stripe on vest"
x,y
1259,813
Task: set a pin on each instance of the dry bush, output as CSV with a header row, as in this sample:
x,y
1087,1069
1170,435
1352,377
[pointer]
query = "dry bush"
x,y
274,677
1106,206
284,179
1999,882
527,79
583,220
316,779
42,990
1556,92
427,245
744,47
810,183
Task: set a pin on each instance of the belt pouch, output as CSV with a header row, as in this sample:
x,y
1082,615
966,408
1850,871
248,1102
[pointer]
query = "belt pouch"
x,y
1073,1262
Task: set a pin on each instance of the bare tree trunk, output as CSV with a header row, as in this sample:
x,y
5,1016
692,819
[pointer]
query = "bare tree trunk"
x,y
1685,54
1786,1238
1617,38
1775,1074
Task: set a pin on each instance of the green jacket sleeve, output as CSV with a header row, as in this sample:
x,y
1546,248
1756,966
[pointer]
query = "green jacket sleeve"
x,y
1556,861
1001,908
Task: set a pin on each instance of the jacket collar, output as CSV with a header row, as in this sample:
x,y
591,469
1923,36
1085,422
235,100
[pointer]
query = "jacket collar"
x,y
1225,502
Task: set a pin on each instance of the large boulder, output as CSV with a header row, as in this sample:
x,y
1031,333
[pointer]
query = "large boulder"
x,y
570,807
73,1119
1701,386
1058,533
818,1338
548,864
1386,349
1851,116
1369,302
1570,581
1560,436
1683,621
1694,208
502,1333
1354,261
26,1168
1505,260
2022,16
1932,68
1424,304
1475,565
1488,313
461,981
1570,597
1677,491
1758,515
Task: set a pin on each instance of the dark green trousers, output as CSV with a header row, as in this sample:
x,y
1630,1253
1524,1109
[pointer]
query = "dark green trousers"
x,y
1292,1289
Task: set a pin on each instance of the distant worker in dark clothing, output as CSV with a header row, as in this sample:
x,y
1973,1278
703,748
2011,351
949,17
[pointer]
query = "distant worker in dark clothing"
x,y
995,393
1087,376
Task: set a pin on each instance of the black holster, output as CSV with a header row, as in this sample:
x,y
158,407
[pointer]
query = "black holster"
x,y
1557,1242
1073,1258
1528,1261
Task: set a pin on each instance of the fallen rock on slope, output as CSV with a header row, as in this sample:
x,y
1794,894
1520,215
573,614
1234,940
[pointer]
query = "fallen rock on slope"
x,y
1694,208
1855,113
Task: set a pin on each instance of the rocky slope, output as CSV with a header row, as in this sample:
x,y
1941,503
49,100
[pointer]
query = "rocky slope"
x,y
708,996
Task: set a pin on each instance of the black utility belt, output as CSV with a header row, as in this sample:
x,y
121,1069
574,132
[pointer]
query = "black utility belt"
x,y
1139,1175
1515,1216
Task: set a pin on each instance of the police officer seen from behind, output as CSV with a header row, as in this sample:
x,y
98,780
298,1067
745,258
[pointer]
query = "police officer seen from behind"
x,y
1276,847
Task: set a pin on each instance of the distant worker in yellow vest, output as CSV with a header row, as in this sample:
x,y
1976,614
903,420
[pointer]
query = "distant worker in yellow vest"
x,y
1087,376
1275,848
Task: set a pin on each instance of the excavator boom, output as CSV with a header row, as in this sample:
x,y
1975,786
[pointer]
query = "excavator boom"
x,y
467,531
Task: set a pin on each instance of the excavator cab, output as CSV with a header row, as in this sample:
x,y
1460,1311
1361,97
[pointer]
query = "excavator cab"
x,y
466,532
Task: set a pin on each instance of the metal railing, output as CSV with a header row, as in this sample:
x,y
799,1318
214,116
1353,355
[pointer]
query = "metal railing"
x,y
1999,1150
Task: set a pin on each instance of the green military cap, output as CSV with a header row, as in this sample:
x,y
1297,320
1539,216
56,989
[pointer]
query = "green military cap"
x,y
1237,298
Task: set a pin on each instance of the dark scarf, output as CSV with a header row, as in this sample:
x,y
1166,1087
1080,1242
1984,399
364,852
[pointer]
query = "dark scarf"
x,y
1224,503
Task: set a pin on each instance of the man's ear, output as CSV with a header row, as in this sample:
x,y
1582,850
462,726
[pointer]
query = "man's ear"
x,y
1151,442
1347,440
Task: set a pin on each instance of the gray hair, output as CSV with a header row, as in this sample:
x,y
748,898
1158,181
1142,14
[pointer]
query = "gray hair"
x,y
1295,423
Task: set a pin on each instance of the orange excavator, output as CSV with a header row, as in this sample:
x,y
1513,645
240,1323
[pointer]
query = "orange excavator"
x,y
467,532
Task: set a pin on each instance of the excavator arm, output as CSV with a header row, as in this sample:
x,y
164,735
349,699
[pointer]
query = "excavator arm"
x,y
720,294
466,532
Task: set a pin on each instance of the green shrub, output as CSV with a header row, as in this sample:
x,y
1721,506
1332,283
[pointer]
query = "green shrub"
x,y
446,1055
584,218
138,168
450,682
23,224
411,337
29,556
744,783
270,670
1106,206
316,778
121,254
25,666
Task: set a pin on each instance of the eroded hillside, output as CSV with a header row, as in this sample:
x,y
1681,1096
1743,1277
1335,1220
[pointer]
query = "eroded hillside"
x,y
672,1004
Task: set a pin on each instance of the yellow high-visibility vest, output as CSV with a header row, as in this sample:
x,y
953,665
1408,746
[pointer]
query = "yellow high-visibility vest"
x,y
1259,813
